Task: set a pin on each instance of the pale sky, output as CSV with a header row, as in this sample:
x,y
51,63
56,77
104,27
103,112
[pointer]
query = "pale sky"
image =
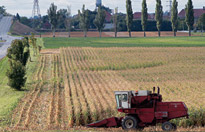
x,y
24,7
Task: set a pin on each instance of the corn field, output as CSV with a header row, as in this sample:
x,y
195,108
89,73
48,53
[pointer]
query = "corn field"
x,y
75,86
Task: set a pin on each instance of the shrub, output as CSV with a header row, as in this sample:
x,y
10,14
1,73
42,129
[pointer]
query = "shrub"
x,y
15,52
19,51
16,75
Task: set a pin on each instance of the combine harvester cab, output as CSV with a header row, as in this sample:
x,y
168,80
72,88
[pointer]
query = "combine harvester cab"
x,y
144,108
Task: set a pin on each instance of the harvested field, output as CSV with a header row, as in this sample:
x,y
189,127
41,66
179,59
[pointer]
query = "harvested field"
x,y
75,87
111,34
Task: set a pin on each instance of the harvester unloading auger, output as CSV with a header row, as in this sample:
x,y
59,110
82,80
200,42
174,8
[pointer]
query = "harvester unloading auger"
x,y
144,108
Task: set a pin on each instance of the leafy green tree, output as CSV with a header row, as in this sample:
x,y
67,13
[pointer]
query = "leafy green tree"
x,y
189,16
159,16
122,26
174,18
115,21
2,10
53,17
100,20
144,16
201,23
15,52
26,54
129,16
61,18
32,41
84,20
68,20
16,74
19,51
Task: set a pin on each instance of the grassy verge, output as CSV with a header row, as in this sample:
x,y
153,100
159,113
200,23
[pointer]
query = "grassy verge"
x,y
125,42
9,98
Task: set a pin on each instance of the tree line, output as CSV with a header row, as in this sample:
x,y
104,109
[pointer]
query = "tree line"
x,y
87,19
18,55
100,18
83,16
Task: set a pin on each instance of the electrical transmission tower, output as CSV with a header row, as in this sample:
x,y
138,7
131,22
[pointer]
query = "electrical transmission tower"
x,y
36,9
170,7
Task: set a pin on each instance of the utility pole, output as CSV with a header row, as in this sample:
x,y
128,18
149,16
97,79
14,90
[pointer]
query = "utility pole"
x,y
170,8
36,9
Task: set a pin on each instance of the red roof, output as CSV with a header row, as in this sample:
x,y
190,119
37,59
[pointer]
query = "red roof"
x,y
197,13
108,17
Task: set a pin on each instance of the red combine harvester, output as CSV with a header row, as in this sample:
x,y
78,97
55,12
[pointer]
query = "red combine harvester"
x,y
144,108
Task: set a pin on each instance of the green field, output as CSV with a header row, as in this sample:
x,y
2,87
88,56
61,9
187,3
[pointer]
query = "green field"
x,y
125,42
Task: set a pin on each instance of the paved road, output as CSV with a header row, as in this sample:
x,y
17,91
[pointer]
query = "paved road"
x,y
5,24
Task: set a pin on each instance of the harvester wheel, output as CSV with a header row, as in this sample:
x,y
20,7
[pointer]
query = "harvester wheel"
x,y
174,127
129,122
167,126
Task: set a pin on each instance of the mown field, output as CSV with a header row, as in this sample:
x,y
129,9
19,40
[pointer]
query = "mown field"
x,y
70,87
125,42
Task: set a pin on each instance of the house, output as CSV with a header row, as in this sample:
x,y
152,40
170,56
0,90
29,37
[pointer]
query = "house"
x,y
108,17
197,13
108,21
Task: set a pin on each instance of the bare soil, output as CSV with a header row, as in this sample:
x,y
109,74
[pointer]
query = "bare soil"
x,y
111,34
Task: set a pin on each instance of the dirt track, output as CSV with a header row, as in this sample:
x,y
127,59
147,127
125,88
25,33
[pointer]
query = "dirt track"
x,y
43,107
111,34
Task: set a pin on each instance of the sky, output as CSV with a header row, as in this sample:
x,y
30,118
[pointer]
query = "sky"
x,y
24,7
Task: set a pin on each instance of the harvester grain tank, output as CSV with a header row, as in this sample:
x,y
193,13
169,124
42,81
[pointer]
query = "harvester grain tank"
x,y
144,108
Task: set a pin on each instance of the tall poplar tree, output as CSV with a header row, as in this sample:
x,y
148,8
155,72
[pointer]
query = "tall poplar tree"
x,y
174,18
68,20
129,16
53,17
100,20
115,21
159,15
144,16
84,20
189,16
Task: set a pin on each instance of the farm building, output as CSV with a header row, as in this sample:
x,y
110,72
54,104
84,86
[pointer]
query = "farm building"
x,y
197,13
